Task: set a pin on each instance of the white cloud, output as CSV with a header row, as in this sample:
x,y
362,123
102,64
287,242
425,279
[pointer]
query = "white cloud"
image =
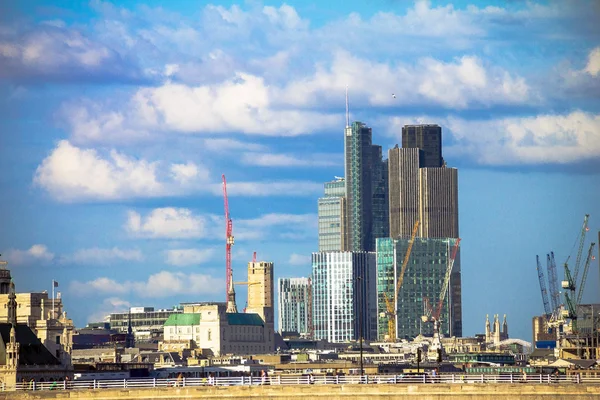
x,y
290,160
464,82
542,139
36,254
168,222
536,140
97,255
161,284
593,64
186,257
71,173
299,260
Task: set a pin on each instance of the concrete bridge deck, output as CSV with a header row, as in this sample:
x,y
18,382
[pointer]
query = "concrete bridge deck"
x,y
332,392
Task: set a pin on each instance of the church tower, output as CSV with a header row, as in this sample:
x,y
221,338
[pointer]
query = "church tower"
x,y
12,347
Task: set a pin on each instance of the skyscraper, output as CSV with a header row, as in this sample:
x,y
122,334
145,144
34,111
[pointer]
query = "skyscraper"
x,y
426,194
427,138
423,279
260,293
366,189
332,216
344,294
295,305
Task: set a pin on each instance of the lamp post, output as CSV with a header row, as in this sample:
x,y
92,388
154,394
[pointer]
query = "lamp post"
x,y
360,324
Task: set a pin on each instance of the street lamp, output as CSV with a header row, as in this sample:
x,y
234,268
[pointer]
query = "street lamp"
x,y
360,324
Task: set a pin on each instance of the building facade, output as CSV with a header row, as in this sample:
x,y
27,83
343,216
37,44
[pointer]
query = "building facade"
x,y
344,296
429,195
295,305
209,328
427,138
261,293
145,321
366,189
332,216
423,280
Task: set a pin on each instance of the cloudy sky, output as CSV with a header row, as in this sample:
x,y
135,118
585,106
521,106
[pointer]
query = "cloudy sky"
x,y
118,119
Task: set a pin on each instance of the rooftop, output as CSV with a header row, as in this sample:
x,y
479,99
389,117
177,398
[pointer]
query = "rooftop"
x,y
183,320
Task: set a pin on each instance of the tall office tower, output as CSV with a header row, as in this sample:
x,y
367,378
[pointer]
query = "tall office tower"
x,y
423,278
332,216
427,138
344,296
295,305
260,292
365,189
429,195
404,190
438,211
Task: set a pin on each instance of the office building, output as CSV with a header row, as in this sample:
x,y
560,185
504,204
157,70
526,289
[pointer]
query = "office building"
x,y
295,305
429,195
423,279
427,138
366,189
146,322
344,296
332,216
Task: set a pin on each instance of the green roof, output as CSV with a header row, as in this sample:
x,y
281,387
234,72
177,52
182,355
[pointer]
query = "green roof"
x,y
183,320
244,319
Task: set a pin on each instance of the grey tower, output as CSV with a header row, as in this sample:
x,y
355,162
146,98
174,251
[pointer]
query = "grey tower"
x,y
366,189
427,138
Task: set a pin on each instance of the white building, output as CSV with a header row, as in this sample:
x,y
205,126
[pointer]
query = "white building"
x,y
295,305
344,292
208,327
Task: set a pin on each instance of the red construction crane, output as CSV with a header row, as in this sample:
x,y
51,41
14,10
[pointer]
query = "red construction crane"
x,y
228,240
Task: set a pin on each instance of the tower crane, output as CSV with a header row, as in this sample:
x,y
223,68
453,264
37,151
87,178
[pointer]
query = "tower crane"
x,y
229,240
430,315
543,289
391,308
553,283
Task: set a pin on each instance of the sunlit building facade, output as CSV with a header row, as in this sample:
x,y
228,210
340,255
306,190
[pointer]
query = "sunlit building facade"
x,y
332,216
295,305
423,279
344,296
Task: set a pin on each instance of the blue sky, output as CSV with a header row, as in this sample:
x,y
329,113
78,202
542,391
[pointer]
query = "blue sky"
x,y
118,120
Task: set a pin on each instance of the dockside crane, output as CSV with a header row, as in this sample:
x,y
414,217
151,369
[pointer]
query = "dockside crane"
x,y
391,308
553,283
543,289
571,284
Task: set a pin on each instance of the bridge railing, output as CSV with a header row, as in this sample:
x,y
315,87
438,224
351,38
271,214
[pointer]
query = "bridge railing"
x,y
140,383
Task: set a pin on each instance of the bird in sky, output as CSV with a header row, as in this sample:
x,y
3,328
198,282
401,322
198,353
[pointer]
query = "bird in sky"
x,y
393,95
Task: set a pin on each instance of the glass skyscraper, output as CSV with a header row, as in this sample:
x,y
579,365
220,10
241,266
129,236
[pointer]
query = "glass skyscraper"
x,y
344,287
332,216
427,138
423,279
295,305
366,189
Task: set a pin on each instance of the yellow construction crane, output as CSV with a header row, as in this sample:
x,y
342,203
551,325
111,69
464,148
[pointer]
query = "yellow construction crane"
x,y
391,311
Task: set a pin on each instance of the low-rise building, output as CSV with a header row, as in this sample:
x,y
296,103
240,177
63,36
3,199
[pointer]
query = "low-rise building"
x,y
208,327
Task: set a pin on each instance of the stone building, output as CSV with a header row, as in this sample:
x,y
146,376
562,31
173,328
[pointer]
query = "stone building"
x,y
207,327
23,357
44,315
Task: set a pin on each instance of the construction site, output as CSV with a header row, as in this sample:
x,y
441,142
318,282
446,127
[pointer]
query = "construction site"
x,y
568,329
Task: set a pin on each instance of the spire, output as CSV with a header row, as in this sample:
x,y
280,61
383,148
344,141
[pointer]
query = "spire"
x,y
231,307
487,328
347,110
505,326
12,305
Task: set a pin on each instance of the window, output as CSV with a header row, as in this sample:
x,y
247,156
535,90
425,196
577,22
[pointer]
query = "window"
x,y
58,340
209,335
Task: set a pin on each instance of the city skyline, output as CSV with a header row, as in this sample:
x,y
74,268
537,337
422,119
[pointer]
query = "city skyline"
x,y
118,121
